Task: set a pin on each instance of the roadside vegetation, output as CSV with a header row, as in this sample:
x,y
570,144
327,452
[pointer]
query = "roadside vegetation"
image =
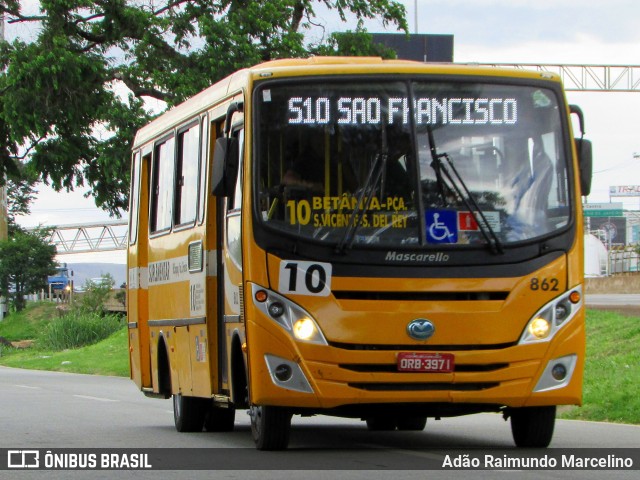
x,y
612,372
82,338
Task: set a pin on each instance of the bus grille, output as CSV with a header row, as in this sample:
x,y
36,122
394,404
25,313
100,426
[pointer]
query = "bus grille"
x,y
424,387
420,296
433,348
393,368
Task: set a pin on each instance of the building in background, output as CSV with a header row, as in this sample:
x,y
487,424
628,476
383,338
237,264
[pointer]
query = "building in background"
x,y
418,47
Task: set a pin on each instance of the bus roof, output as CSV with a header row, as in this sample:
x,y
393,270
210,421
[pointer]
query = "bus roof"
x,y
314,65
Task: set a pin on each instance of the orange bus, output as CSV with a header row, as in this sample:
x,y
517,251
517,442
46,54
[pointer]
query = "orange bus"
x,y
382,240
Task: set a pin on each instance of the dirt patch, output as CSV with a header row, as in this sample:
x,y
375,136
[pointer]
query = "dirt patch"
x,y
23,344
18,344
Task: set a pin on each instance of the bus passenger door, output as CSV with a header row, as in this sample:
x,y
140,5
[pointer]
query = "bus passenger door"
x,y
137,300
230,269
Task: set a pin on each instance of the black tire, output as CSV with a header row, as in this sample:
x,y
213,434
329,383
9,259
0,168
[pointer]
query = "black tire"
x,y
532,427
381,424
270,427
189,413
219,419
415,424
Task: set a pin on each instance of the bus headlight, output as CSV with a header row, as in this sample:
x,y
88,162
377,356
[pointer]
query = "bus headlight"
x,y
553,316
290,316
305,329
539,328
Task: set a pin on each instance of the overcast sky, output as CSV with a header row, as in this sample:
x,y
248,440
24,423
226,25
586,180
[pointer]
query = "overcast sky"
x,y
507,31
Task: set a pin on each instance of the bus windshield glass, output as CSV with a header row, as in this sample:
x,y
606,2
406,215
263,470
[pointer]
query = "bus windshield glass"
x,y
411,163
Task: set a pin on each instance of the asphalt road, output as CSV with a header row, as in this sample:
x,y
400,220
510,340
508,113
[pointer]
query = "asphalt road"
x,y
57,410
624,303
613,299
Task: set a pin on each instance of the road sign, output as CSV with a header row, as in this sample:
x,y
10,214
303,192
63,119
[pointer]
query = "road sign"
x,y
602,209
603,213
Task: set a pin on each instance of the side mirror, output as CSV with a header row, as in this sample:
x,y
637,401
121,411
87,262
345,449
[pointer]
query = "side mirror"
x,y
585,164
225,166
585,157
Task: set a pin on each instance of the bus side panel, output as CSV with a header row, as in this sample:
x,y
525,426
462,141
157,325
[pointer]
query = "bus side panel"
x,y
180,358
177,306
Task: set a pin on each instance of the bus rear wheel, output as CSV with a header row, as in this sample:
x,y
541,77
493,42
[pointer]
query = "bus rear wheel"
x,y
189,413
270,427
532,427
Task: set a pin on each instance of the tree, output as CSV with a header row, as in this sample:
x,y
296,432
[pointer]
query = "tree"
x,y
96,293
64,108
20,193
26,259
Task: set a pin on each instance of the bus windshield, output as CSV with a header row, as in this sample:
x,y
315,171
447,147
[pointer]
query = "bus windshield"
x,y
410,163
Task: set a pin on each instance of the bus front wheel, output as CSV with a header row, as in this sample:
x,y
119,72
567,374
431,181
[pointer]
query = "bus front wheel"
x,y
270,427
532,427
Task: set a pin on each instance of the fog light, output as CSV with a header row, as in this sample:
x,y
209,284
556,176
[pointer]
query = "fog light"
x,y
559,372
283,372
539,328
304,329
276,309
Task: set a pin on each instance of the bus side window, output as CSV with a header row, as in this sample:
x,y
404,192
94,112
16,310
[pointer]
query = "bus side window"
x,y
186,184
204,156
133,200
162,186
235,201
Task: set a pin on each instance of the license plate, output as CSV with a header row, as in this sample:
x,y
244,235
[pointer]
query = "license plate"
x,y
425,362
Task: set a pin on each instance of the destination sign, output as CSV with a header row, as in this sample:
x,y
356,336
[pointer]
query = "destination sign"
x,y
391,110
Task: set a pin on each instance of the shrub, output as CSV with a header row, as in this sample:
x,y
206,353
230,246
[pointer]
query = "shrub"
x,y
77,328
97,292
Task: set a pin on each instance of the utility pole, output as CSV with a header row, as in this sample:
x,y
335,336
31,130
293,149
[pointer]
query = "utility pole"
x,y
4,227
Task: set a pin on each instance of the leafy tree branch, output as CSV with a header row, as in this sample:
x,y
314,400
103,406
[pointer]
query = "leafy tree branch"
x,y
74,95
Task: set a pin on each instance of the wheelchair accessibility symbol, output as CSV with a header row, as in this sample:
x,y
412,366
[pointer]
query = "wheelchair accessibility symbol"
x,y
442,226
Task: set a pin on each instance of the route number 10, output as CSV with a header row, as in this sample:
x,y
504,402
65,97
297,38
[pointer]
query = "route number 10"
x,y
305,278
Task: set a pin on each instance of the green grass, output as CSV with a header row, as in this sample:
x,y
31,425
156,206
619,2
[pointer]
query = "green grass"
x,y
29,323
77,329
107,357
612,371
39,321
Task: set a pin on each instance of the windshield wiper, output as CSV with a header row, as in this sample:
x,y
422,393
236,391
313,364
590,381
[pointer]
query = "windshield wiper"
x,y
366,195
455,183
